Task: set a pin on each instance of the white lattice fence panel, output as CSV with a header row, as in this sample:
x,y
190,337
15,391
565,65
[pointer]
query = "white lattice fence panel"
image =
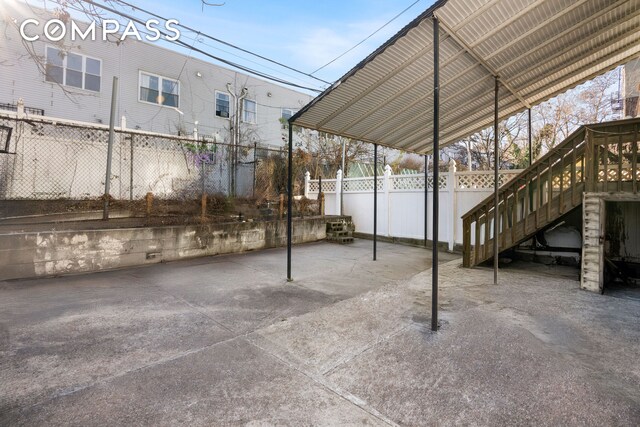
x,y
415,182
475,181
328,186
361,184
409,182
483,180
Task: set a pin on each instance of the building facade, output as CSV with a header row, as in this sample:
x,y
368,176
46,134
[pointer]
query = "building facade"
x,y
160,90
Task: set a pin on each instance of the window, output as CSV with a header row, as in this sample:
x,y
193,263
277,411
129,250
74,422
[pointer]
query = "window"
x,y
222,104
287,113
92,74
72,69
159,90
249,111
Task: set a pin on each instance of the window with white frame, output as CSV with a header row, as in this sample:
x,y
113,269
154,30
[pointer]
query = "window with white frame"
x,y
249,111
222,104
287,113
72,69
159,90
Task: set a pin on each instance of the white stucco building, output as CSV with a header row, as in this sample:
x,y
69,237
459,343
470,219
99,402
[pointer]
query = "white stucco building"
x,y
160,90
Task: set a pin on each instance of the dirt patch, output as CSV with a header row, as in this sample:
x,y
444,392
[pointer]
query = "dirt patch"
x,y
33,215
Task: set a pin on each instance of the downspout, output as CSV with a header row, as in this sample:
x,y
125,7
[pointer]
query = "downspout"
x,y
242,96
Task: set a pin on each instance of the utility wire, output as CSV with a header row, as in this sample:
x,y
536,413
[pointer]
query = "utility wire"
x,y
368,37
210,45
224,42
186,45
197,39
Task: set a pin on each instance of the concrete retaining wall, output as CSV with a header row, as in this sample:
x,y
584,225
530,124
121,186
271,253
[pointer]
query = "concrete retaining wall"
x,y
24,255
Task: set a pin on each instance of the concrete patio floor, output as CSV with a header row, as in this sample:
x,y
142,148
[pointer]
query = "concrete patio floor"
x,y
226,341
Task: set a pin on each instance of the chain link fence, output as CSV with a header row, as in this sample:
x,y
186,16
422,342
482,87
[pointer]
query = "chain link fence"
x,y
43,159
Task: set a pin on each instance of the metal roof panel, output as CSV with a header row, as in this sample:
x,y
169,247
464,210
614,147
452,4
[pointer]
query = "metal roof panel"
x,y
538,48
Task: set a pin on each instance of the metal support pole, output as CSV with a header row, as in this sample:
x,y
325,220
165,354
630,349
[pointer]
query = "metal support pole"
x,y
375,200
426,194
436,178
131,146
496,184
231,148
235,152
529,136
112,118
255,162
344,175
289,202
320,197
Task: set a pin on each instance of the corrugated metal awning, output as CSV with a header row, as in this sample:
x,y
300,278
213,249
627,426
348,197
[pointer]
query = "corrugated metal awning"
x,y
537,49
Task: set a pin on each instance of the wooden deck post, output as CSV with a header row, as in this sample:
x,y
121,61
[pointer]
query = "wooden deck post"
x,y
466,242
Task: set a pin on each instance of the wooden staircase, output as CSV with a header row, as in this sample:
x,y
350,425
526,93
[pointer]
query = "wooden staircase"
x,y
600,157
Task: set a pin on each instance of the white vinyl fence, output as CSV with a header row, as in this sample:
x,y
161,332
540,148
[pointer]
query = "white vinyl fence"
x,y
401,201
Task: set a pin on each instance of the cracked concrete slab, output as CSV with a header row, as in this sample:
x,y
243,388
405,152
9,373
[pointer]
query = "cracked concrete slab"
x,y
252,388
226,341
54,348
64,336
326,338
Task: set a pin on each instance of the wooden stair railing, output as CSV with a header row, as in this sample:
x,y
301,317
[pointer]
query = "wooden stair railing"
x,y
600,157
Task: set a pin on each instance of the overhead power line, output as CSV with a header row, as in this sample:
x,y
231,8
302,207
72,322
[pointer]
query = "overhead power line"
x,y
207,54
368,37
196,39
123,2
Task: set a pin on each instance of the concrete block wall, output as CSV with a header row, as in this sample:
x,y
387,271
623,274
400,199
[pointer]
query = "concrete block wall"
x,y
25,255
